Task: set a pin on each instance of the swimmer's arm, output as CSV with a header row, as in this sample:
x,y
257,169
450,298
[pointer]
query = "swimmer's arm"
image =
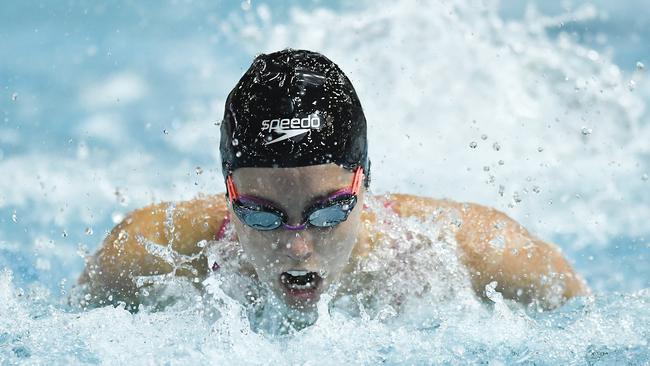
x,y
525,268
496,248
109,274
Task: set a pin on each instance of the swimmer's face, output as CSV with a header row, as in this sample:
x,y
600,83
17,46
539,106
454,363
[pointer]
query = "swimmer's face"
x,y
280,255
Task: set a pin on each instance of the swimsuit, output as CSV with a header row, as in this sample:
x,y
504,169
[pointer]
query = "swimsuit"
x,y
221,233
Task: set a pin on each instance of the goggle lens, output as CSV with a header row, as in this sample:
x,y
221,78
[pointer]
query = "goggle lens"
x,y
261,220
332,215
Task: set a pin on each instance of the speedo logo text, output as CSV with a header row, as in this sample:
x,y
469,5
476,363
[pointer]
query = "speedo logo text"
x,y
290,127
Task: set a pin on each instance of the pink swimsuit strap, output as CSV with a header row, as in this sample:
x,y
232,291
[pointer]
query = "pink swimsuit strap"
x,y
221,233
390,204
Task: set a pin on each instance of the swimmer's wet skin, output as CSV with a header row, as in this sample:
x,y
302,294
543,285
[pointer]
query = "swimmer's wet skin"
x,y
294,158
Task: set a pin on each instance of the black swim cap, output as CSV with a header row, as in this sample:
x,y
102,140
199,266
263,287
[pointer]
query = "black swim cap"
x,y
293,108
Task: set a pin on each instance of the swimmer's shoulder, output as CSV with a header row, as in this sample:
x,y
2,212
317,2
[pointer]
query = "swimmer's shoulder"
x,y
182,224
124,255
463,218
407,205
404,205
194,220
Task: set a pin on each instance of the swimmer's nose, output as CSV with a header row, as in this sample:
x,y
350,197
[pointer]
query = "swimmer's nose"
x,y
299,247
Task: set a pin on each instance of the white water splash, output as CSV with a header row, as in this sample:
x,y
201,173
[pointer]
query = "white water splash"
x,y
436,320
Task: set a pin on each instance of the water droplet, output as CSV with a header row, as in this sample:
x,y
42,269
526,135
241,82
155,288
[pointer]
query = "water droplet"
x,y
88,231
473,144
498,242
246,5
122,235
202,243
238,154
64,234
483,137
62,286
631,85
145,293
516,197
87,297
496,146
501,162
235,142
536,189
644,177
82,251
166,132
486,168
640,66
198,170
586,131
117,217
492,293
501,190
540,149
14,97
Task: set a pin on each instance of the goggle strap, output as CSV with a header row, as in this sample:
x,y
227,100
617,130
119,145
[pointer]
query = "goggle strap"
x,y
230,186
356,181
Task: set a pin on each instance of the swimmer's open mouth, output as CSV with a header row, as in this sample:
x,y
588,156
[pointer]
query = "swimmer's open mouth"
x,y
301,284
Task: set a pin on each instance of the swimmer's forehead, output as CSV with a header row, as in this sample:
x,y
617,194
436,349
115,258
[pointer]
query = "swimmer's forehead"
x,y
312,180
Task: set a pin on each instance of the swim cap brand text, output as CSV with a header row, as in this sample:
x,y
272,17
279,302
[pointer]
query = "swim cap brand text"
x,y
290,127
291,123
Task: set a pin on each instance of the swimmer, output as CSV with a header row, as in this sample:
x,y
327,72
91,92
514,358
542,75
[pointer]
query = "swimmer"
x,y
295,164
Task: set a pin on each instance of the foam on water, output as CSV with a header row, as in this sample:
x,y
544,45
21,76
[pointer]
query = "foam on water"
x,y
460,103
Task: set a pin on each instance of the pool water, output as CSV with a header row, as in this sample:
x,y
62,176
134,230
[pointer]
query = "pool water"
x,y
540,112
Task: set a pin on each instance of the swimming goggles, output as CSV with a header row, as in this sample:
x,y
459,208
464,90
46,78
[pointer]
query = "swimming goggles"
x,y
261,214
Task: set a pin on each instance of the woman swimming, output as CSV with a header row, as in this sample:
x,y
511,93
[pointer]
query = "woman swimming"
x,y
295,163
